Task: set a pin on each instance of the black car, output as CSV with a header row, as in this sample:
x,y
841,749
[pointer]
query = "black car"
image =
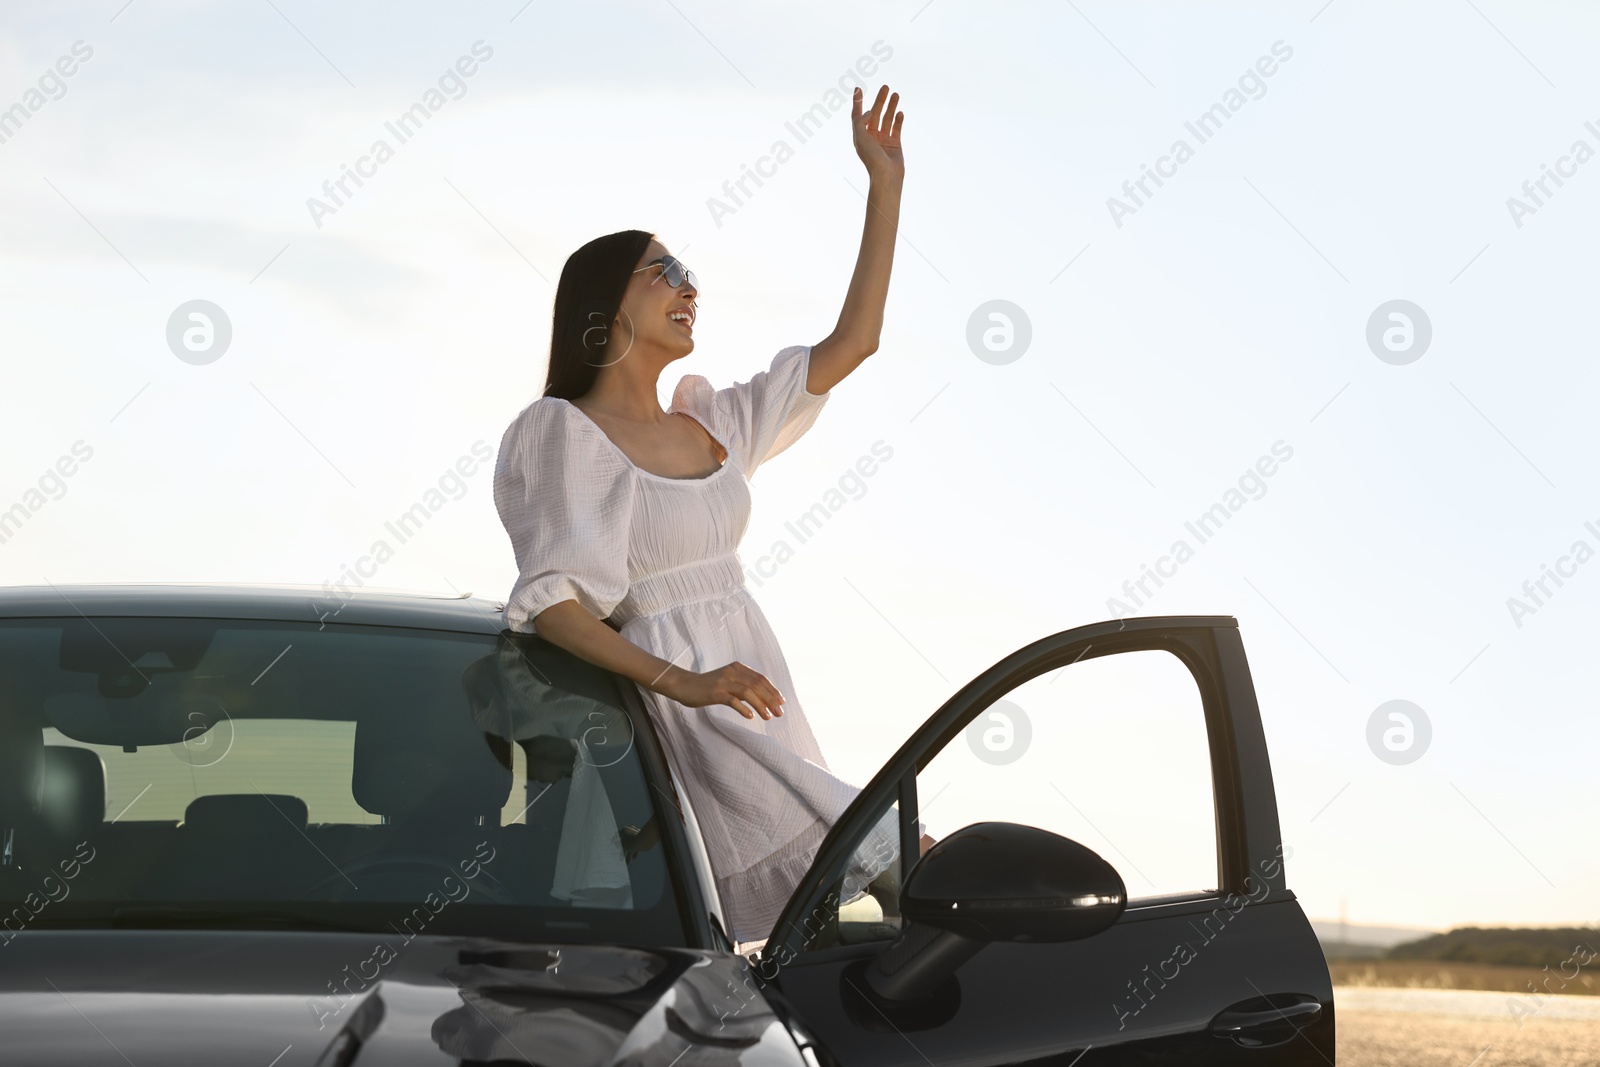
x,y
247,825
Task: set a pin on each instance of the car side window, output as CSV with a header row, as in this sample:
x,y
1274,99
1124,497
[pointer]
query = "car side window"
x,y
326,774
1111,752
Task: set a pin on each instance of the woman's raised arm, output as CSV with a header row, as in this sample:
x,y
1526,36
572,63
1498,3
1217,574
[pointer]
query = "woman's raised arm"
x,y
855,336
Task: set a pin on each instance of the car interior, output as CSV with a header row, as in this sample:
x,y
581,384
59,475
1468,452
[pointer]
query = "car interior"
x,y
297,770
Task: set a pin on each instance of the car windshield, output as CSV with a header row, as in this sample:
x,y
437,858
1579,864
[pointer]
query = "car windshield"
x,y
175,772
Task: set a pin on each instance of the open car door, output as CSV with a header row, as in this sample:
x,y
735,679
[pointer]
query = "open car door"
x,y
1015,941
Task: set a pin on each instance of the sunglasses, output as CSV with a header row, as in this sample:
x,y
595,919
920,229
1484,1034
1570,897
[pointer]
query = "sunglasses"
x,y
673,272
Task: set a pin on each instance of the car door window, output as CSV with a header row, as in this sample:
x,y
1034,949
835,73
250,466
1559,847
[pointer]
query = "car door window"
x,y
1111,752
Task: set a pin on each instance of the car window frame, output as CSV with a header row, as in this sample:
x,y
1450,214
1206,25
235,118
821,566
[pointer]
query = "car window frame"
x,y
688,863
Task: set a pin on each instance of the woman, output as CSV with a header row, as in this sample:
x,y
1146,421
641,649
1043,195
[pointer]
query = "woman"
x,y
620,511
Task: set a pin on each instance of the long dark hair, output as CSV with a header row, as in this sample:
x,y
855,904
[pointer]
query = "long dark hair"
x,y
588,297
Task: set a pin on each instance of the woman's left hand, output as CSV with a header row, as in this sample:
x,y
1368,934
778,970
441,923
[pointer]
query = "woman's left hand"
x,y
877,134
636,839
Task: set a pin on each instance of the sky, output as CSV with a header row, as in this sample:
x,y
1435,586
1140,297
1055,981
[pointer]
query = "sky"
x,y
1347,314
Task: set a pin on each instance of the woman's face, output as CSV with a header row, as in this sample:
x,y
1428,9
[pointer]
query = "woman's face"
x,y
646,317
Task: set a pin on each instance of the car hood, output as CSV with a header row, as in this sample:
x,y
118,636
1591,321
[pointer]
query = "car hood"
x,y
284,999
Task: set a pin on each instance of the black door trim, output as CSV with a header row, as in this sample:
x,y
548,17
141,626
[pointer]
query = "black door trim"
x,y
1209,645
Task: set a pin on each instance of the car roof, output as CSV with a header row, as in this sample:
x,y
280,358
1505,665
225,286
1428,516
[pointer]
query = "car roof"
x,y
275,603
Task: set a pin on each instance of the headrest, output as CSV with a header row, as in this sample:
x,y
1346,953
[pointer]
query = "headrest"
x,y
21,748
435,768
244,814
73,790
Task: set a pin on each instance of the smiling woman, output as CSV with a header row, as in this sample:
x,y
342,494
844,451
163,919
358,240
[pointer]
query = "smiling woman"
x,y
625,521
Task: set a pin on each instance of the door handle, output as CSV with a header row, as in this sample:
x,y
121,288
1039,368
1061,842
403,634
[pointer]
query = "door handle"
x,y
1270,1020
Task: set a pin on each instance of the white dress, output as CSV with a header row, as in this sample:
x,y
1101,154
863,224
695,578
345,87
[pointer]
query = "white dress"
x,y
658,556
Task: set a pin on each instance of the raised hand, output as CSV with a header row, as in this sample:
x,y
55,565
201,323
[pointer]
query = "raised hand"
x,y
877,134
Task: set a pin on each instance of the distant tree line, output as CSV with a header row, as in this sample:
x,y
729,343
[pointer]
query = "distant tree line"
x,y
1537,947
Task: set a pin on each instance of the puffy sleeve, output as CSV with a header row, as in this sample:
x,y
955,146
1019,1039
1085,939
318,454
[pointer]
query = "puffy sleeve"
x,y
566,501
759,418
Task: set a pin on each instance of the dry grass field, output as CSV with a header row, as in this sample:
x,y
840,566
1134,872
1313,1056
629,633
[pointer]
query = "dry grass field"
x,y
1436,974
1404,1014
1415,1039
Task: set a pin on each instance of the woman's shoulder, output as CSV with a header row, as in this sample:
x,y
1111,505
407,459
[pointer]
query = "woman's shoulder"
x,y
695,393
537,418
547,414
550,424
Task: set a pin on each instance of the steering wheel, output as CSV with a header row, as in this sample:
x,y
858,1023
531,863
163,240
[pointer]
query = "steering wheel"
x,y
484,882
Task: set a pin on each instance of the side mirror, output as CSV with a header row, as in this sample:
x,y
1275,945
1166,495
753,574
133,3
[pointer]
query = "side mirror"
x,y
993,881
